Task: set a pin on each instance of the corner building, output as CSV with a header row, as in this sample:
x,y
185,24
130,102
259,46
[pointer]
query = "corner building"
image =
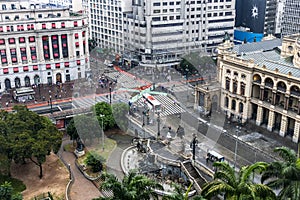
x,y
41,45
260,82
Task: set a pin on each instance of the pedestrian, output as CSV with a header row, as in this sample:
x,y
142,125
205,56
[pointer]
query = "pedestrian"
x,y
6,104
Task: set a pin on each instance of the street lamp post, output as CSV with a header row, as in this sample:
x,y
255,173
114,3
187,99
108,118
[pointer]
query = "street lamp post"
x,y
158,124
238,130
187,79
39,85
50,101
102,116
193,146
110,95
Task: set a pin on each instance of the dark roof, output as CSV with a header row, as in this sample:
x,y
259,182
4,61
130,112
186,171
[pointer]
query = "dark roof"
x,y
262,46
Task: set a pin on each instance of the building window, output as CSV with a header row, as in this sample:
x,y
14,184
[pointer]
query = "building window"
x,y
43,26
2,41
233,105
227,84
53,25
78,62
75,24
1,28
226,103
40,16
243,86
234,88
31,39
76,35
57,65
21,40
48,66
63,25
11,41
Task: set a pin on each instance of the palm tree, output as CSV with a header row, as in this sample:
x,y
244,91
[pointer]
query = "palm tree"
x,y
284,175
133,186
180,194
237,186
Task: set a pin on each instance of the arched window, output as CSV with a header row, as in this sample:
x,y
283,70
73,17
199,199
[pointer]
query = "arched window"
x,y
226,102
227,84
241,107
242,89
281,86
17,82
295,90
269,82
27,81
235,85
256,78
233,104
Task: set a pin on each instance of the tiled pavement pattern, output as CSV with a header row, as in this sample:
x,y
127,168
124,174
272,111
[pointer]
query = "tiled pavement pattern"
x,y
126,80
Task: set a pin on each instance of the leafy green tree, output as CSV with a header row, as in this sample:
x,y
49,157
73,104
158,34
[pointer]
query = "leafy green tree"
x,y
72,131
237,187
284,175
33,136
86,127
6,192
95,161
120,111
133,187
103,108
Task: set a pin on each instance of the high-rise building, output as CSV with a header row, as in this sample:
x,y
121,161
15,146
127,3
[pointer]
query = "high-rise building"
x,y
39,44
158,32
291,17
257,15
74,5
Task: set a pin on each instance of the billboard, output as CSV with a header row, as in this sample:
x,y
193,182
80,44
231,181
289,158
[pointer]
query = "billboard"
x,y
251,14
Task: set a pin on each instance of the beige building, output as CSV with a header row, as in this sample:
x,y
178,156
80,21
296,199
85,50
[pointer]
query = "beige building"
x,y
41,44
259,82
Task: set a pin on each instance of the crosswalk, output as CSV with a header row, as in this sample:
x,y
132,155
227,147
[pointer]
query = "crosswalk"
x,y
126,80
86,102
168,106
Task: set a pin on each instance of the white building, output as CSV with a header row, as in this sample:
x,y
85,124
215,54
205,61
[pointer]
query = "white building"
x,y
39,44
291,17
74,5
158,32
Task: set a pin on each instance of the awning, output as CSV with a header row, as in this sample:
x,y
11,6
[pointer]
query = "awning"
x,y
24,58
16,69
78,62
35,67
25,68
33,57
55,54
22,39
5,70
76,35
48,66
55,46
64,45
64,36
4,60
76,44
14,59
31,39
54,37
2,41
67,64
32,26
11,40
57,65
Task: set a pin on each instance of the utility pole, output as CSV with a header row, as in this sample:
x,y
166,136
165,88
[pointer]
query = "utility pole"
x,y
158,125
110,95
238,130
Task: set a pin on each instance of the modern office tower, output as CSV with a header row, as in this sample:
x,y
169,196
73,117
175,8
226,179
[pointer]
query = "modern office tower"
x,y
260,84
291,17
40,44
74,5
258,15
279,16
158,32
106,23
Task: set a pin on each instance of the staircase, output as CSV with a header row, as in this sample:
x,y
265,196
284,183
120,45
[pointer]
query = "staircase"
x,y
194,174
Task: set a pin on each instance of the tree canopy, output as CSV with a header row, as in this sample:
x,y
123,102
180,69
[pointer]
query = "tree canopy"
x,y
26,135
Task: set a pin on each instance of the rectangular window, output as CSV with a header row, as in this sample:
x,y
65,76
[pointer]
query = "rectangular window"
x,y
53,25
76,35
21,40
75,24
1,28
48,66
11,40
63,25
31,39
43,26
2,41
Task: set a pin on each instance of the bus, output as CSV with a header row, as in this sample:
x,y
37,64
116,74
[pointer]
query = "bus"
x,y
152,102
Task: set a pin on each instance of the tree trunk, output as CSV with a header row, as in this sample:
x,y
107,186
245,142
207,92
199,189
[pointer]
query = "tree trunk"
x,y
41,170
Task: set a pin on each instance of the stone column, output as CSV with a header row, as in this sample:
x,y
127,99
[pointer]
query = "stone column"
x,y
271,120
273,97
298,111
50,48
261,94
286,102
8,55
283,126
296,131
39,49
259,115
60,47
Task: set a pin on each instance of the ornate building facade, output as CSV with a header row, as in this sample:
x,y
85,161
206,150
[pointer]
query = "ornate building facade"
x,y
41,45
260,82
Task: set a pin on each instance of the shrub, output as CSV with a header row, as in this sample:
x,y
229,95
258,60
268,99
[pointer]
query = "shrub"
x,y
95,161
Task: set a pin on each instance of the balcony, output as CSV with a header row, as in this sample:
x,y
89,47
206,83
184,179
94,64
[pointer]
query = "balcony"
x,y
269,85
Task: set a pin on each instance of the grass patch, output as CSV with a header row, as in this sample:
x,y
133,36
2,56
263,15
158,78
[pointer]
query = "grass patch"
x,y
69,148
18,185
109,146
